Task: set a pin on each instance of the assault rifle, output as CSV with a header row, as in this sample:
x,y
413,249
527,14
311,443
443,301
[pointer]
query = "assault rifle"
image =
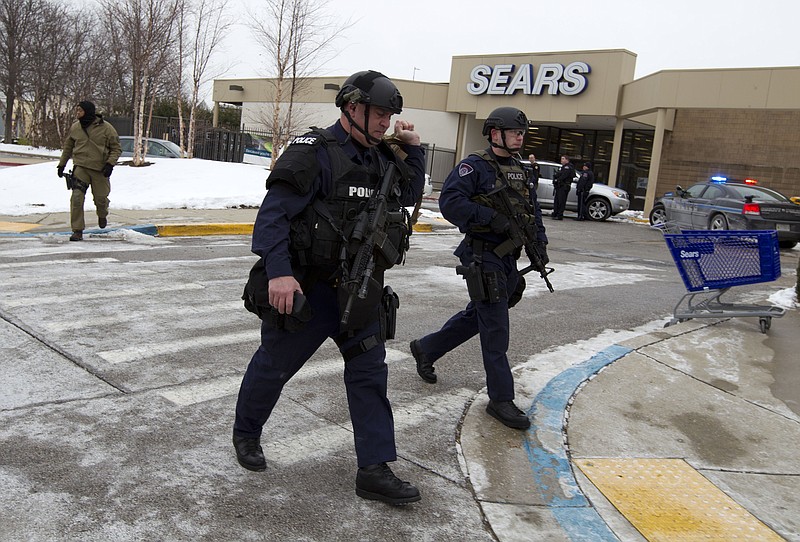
x,y
521,234
370,235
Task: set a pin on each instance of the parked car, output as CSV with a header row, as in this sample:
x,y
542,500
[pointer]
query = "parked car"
x,y
720,205
158,148
604,201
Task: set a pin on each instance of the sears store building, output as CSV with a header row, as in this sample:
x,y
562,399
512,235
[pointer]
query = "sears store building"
x,y
644,135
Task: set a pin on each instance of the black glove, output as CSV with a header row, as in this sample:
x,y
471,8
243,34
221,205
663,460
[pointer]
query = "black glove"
x,y
543,252
499,223
107,169
60,171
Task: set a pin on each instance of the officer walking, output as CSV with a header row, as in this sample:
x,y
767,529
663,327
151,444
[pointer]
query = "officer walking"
x,y
302,231
562,184
479,174
93,145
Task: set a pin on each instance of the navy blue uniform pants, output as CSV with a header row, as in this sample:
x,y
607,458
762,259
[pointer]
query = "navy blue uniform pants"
x,y
282,354
489,320
583,204
560,200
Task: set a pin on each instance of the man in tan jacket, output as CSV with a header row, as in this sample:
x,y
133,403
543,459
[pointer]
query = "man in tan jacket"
x,y
93,145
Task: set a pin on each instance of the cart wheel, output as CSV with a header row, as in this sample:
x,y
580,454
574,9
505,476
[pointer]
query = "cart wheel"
x,y
765,323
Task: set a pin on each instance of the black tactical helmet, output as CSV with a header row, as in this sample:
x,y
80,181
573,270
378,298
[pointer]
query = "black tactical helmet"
x,y
370,87
505,118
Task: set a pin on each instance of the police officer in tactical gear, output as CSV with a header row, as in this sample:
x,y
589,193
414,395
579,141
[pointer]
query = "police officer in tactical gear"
x,y
493,282
303,234
93,145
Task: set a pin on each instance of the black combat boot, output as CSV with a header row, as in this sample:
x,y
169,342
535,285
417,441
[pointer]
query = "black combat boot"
x,y
249,453
77,235
424,365
102,222
508,413
378,483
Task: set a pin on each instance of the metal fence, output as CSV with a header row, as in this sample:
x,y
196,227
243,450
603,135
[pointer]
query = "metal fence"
x,y
229,145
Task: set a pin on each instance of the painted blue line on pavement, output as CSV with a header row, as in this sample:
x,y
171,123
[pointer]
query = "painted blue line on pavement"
x,y
549,462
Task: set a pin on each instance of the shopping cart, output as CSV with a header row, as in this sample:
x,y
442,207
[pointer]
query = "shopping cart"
x,y
712,262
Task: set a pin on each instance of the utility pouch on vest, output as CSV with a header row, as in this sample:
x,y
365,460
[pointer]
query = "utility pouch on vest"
x,y
256,300
517,295
390,302
256,290
300,315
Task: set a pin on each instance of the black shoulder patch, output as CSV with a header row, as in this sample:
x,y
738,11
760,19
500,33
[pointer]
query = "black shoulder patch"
x,y
310,138
298,165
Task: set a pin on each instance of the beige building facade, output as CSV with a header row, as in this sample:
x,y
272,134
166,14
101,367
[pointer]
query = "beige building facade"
x,y
645,135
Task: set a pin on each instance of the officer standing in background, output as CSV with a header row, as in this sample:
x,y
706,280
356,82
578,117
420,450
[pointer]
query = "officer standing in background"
x,y
533,183
583,188
562,184
93,145
315,192
483,172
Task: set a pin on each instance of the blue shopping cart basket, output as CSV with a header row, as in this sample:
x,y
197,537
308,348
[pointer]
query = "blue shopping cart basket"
x,y
712,262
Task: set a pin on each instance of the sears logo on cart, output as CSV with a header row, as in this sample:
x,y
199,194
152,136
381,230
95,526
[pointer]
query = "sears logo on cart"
x,y
685,254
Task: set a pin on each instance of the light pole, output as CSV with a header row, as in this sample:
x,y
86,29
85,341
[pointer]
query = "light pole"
x,y
414,74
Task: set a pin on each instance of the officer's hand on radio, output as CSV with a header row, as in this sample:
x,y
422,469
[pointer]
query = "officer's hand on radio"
x,y
60,171
499,223
281,293
404,131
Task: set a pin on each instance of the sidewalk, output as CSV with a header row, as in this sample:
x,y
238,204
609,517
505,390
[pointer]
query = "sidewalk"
x,y
670,436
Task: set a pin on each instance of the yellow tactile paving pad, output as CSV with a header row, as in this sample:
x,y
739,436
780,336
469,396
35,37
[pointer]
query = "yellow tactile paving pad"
x,y
666,499
179,230
16,227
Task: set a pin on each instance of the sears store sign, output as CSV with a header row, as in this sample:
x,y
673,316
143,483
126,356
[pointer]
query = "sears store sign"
x,y
507,79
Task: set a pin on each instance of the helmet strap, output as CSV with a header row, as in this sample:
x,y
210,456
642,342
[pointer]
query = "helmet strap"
x,y
365,130
504,146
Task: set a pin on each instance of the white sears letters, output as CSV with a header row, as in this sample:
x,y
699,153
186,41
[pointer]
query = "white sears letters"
x,y
505,79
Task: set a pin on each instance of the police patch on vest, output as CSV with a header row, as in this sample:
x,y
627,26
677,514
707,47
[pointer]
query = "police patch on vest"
x,y
305,140
359,191
464,169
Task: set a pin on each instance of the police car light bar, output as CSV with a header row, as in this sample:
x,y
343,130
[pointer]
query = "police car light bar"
x,y
718,179
750,181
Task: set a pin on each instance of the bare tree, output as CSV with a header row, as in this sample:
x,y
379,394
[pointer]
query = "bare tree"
x,y
61,70
144,31
16,19
297,36
208,22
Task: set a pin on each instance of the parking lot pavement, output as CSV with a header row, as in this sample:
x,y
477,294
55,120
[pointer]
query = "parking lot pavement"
x,y
127,355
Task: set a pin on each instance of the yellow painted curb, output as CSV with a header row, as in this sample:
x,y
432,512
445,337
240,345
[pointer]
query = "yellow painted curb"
x,y
181,230
421,227
17,227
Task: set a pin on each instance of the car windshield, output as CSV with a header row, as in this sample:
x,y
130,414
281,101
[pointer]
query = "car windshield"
x,y
546,171
758,193
171,146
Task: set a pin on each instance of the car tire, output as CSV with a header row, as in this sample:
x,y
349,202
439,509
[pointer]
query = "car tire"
x,y
658,215
787,244
598,209
718,222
